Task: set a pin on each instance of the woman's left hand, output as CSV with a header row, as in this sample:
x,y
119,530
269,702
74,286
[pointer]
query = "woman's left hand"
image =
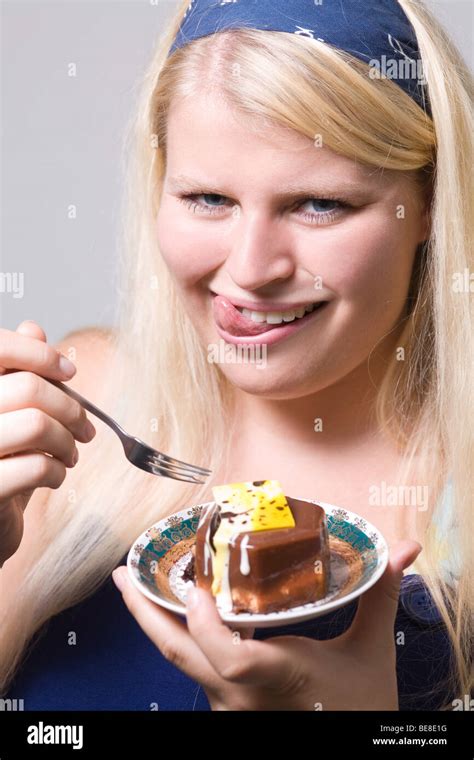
x,y
355,671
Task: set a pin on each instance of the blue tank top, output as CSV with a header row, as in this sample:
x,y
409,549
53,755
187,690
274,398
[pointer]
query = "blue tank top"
x,y
114,666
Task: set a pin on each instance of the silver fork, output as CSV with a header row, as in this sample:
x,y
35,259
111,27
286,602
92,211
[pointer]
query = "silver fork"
x,y
138,452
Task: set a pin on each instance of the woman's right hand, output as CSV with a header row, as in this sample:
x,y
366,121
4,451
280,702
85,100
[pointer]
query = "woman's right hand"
x,y
38,426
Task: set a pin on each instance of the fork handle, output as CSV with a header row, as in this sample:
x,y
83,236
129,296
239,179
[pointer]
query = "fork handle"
x,y
89,406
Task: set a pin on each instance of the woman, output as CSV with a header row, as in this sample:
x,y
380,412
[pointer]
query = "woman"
x,y
267,176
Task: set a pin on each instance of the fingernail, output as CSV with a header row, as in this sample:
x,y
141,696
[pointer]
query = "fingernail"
x,y
66,367
192,598
118,577
75,456
89,430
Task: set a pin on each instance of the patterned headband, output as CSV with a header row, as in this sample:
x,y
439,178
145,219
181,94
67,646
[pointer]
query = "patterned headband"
x,y
375,31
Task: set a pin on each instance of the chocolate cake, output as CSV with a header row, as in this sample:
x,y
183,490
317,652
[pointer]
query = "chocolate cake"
x,y
259,551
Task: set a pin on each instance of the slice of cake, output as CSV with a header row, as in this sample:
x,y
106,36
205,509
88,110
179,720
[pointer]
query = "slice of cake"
x,y
260,551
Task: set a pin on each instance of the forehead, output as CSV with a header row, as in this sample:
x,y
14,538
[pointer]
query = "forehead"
x,y
209,140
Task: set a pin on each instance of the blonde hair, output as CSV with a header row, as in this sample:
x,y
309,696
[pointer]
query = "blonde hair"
x,y
161,385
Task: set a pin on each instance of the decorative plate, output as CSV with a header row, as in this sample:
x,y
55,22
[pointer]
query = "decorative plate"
x,y
157,560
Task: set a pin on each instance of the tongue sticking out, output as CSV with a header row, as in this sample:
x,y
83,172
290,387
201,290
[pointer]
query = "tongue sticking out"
x,y
232,321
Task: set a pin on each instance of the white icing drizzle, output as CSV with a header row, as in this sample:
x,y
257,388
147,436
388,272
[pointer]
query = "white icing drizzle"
x,y
207,544
224,597
244,555
207,557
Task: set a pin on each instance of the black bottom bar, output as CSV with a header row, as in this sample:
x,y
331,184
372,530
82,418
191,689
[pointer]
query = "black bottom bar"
x,y
375,734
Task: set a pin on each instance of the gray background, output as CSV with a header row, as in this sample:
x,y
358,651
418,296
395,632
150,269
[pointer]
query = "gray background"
x,y
61,142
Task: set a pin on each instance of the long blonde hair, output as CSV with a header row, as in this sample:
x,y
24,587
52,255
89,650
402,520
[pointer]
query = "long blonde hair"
x,y
161,385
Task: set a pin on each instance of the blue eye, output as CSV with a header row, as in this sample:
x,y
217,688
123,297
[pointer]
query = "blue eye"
x,y
322,216
211,195
198,207
321,202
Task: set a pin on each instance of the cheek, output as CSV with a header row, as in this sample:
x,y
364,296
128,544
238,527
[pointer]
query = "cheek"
x,y
186,246
372,265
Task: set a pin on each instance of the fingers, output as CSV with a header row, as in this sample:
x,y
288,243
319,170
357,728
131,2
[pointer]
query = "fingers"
x,y
29,329
233,659
32,470
25,390
377,609
19,351
32,330
166,631
209,651
28,429
244,633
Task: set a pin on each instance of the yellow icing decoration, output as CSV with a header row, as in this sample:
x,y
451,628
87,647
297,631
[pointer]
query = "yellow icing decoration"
x,y
253,508
267,502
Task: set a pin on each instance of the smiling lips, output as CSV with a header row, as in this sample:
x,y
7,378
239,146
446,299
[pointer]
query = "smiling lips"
x,y
234,322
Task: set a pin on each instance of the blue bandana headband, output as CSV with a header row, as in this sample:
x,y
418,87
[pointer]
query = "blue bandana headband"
x,y
377,32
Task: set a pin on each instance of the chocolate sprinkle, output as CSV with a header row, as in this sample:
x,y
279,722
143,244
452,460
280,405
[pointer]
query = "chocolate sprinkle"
x,y
189,573
215,522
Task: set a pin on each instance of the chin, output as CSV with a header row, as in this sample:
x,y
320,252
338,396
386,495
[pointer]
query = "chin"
x,y
274,384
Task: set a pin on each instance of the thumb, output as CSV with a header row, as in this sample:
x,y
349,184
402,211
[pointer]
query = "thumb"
x,y
377,610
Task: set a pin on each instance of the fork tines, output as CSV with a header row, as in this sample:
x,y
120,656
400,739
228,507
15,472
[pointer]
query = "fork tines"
x,y
174,468
165,459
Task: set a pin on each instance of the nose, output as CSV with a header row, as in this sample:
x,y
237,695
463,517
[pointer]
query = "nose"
x,y
260,251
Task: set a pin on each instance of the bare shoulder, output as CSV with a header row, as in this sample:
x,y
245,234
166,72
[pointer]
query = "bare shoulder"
x,y
90,350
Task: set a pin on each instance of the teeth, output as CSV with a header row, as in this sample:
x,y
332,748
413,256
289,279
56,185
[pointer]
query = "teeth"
x,y
274,317
277,317
255,316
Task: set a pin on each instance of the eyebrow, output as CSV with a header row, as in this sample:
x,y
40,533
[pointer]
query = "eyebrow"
x,y
182,183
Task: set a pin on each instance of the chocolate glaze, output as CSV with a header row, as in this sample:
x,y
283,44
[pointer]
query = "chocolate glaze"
x,y
284,567
215,522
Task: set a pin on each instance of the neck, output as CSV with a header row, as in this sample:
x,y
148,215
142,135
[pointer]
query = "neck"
x,y
340,415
